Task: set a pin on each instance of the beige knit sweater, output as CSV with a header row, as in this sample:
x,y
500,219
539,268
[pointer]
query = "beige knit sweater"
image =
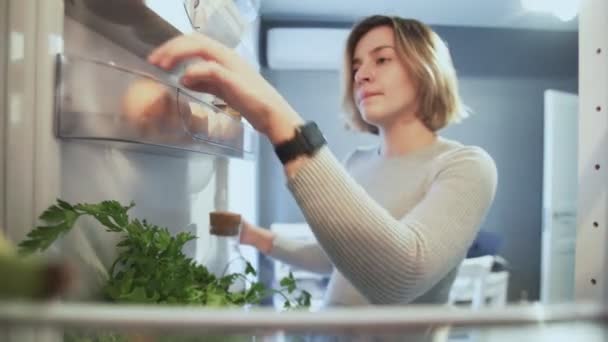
x,y
390,231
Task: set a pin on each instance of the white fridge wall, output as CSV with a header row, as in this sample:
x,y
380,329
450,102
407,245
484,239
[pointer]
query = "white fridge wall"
x,y
20,199
242,198
172,191
4,37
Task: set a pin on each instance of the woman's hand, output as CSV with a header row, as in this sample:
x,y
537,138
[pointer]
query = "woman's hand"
x,y
257,237
224,73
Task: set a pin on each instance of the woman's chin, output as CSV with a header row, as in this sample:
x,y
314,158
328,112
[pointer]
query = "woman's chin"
x,y
373,118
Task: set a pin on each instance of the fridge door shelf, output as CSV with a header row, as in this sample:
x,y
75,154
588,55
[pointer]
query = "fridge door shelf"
x,y
120,322
104,102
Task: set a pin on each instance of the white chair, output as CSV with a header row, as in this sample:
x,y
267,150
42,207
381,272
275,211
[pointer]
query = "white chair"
x,y
310,281
497,285
296,231
476,284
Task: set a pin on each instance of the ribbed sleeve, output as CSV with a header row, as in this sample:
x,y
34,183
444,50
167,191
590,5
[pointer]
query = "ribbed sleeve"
x,y
301,254
390,260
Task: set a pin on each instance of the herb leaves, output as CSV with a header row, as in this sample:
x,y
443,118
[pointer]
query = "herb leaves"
x,y
151,267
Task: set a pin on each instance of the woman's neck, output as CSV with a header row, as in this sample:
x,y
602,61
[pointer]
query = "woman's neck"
x,y
403,138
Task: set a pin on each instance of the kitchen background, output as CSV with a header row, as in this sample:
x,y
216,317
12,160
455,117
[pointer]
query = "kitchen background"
x,y
505,58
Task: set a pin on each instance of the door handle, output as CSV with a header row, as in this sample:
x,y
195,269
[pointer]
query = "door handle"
x,y
563,214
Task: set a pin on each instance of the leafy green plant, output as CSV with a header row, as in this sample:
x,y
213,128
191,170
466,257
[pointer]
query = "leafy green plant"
x,y
151,267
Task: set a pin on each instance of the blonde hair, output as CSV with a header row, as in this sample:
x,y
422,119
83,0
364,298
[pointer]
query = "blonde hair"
x,y
428,59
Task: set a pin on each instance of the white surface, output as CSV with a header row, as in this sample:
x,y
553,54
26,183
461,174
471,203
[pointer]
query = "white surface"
x,y
327,45
222,20
242,188
242,198
480,13
470,281
477,285
559,196
498,287
564,10
592,243
20,128
173,12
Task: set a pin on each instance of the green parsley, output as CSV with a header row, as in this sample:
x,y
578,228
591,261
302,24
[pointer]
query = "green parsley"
x,y
151,267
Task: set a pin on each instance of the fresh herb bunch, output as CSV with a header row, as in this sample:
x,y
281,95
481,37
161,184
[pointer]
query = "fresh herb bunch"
x,y
151,267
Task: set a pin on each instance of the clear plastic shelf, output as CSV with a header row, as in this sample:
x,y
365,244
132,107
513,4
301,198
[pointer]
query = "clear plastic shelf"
x,y
105,102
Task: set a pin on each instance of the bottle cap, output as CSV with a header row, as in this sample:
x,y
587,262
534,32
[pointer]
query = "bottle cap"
x,y
224,223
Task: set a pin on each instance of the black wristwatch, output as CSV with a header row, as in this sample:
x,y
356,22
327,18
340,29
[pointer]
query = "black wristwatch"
x,y
307,141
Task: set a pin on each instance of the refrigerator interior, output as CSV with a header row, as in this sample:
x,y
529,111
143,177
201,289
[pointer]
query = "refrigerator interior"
x,y
81,57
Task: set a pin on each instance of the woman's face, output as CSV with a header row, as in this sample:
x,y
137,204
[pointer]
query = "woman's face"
x,y
383,89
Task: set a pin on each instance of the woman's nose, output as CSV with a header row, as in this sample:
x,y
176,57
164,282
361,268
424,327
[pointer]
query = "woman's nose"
x,y
363,74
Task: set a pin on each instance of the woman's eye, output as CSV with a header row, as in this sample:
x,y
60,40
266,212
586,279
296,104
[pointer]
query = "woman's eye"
x,y
382,60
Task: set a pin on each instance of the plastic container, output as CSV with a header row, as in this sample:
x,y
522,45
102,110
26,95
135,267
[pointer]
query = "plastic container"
x,y
222,20
104,102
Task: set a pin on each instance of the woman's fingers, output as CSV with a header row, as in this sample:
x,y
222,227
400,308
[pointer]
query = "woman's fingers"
x,y
184,47
204,71
223,73
206,76
176,50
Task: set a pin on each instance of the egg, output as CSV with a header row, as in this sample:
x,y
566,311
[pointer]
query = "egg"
x,y
146,99
151,110
198,123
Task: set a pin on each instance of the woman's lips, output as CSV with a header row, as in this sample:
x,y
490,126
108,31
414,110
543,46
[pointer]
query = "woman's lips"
x,y
366,97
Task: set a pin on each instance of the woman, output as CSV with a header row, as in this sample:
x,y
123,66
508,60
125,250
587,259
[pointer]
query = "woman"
x,y
394,223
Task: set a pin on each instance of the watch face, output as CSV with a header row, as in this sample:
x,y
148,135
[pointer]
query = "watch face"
x,y
307,141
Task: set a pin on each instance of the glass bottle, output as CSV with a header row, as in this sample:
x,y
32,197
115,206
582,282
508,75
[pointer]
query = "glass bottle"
x,y
225,229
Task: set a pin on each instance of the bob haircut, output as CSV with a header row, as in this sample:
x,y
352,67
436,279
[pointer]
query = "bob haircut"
x,y
428,59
